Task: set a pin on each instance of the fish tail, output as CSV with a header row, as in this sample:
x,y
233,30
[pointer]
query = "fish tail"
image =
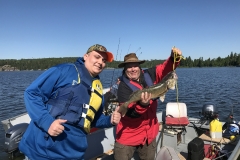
x,y
123,109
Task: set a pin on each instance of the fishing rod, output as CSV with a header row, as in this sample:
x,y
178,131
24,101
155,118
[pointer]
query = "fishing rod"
x,y
119,60
116,59
110,101
138,50
128,49
120,55
139,54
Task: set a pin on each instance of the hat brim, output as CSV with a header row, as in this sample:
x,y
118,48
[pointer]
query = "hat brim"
x,y
109,56
121,65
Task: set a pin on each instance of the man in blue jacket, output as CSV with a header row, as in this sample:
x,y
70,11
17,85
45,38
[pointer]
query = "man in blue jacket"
x,y
64,103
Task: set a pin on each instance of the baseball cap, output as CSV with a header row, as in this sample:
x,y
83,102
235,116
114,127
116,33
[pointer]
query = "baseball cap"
x,y
101,48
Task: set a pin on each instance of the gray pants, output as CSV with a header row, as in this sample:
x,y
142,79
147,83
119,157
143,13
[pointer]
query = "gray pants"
x,y
145,152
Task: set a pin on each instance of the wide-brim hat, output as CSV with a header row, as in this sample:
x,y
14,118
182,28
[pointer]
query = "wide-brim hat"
x,y
130,58
101,48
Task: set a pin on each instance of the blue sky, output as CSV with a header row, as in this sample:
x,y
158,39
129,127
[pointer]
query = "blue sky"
x,y
67,28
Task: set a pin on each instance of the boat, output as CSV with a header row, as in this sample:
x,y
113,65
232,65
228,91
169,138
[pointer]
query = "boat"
x,y
176,135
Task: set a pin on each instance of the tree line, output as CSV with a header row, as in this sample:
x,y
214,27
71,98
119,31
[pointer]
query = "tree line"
x,y
44,63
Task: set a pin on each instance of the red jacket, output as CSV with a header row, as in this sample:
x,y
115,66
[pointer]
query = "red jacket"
x,y
144,127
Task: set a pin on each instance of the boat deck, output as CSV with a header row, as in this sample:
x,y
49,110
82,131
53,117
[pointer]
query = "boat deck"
x,y
179,143
103,140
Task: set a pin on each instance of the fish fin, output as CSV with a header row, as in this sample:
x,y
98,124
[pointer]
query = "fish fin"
x,y
162,98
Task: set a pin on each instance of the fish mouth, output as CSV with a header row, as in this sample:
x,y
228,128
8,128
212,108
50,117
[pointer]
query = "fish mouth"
x,y
171,84
172,87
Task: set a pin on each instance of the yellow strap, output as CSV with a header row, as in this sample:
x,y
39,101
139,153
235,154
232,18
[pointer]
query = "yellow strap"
x,y
95,101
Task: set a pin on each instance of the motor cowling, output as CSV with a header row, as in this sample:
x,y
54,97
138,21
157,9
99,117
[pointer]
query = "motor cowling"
x,y
13,137
209,111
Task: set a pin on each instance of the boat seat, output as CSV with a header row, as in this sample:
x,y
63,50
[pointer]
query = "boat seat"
x,y
167,153
176,115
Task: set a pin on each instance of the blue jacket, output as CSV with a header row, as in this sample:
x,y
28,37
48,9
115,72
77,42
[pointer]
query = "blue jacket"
x,y
72,143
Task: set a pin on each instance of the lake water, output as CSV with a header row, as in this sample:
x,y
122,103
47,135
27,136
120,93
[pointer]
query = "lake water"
x,y
196,86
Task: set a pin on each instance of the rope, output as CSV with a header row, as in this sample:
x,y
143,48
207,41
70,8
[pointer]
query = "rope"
x,y
176,58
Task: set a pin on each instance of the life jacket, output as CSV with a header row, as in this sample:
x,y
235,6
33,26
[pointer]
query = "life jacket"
x,y
136,86
78,103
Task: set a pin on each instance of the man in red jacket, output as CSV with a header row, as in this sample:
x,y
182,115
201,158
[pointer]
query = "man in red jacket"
x,y
138,129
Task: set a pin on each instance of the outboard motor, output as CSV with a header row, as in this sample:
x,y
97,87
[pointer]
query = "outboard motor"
x,y
13,137
209,112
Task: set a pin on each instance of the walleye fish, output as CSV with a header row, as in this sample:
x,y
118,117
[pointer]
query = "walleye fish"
x,y
157,90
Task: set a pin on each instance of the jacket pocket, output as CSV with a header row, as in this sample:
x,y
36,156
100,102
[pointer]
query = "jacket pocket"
x,y
60,105
70,144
